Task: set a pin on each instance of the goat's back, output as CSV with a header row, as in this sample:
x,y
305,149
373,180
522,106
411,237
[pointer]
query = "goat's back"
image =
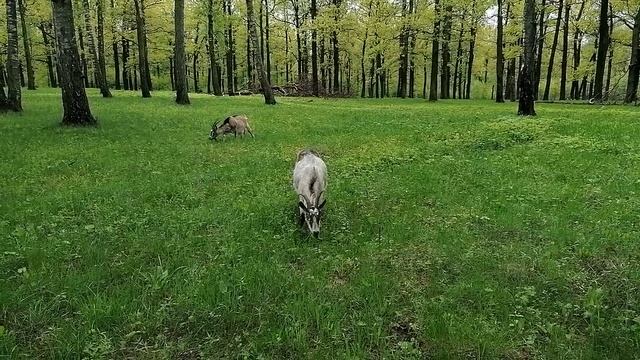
x,y
309,174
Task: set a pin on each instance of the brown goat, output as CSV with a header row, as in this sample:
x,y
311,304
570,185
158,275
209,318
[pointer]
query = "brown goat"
x,y
236,124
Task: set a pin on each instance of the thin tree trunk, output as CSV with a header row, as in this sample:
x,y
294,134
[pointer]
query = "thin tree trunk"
x,y
141,33
565,53
577,55
526,106
99,63
500,56
267,40
126,79
634,63
31,81
435,45
472,46
610,55
3,96
603,48
14,95
542,29
230,51
445,74
114,45
314,50
172,73
74,97
456,69
213,62
50,61
264,81
336,47
552,55
182,89
510,92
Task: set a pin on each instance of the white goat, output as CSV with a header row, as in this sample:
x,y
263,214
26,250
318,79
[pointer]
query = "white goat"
x,y
310,182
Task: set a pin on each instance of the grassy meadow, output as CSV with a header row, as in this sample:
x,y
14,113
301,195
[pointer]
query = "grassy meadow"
x,y
454,230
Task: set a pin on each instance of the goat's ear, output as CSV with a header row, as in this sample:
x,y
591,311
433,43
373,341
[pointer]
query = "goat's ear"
x,y
322,204
302,206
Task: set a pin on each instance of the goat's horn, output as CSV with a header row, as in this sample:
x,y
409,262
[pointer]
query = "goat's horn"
x,y
306,199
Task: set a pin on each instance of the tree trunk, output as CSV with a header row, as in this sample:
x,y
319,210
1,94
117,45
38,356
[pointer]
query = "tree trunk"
x,y
3,96
554,46
445,74
314,50
500,56
267,40
43,26
125,58
603,48
542,29
182,89
404,54
577,56
116,60
97,56
456,83
336,47
31,81
196,55
14,95
610,55
526,106
363,74
141,33
565,53
435,45
213,62
472,45
74,97
510,92
231,90
264,81
634,63
172,74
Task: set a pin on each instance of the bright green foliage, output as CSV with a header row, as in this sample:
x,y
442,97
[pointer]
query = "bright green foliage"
x,y
454,230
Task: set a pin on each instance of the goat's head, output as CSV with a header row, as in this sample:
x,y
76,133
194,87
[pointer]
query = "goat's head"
x,y
218,129
312,213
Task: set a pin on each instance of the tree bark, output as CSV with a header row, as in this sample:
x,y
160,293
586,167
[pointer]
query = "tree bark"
x,y
231,90
14,95
74,98
213,62
404,54
264,81
552,55
102,64
577,56
336,47
126,80
314,49
31,81
99,75
182,90
603,48
267,40
526,106
141,33
3,95
445,74
500,56
116,59
542,29
634,63
565,53
44,27
435,45
472,45
458,84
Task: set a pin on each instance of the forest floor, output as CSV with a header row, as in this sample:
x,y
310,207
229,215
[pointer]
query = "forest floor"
x,y
453,230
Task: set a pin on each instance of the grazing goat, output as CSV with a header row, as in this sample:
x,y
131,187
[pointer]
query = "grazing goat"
x,y
310,183
236,124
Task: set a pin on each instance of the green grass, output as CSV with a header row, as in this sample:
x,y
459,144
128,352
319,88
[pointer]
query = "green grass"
x,y
453,230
